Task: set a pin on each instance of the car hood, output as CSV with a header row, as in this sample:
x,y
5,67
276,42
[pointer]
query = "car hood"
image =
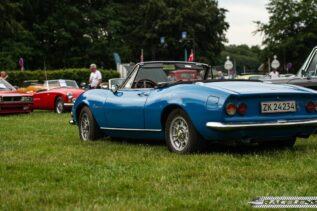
x,y
256,88
75,91
13,93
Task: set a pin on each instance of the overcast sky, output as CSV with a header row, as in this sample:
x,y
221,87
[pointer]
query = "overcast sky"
x,y
240,16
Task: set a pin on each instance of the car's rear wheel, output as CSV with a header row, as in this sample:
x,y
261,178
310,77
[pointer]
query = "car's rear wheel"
x,y
88,127
279,144
59,105
180,134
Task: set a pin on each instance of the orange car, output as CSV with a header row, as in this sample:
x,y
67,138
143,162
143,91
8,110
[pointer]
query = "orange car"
x,y
30,86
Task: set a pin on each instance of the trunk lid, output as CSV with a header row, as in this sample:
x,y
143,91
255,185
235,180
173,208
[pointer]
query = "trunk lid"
x,y
246,87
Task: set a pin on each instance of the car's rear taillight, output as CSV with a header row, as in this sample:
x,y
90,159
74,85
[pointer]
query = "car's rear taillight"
x,y
310,107
231,109
242,108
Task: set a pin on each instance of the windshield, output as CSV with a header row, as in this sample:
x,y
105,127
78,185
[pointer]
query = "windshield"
x,y
53,84
4,85
311,64
153,74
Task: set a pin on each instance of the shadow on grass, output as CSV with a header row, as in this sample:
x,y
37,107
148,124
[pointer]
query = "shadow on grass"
x,y
245,149
237,148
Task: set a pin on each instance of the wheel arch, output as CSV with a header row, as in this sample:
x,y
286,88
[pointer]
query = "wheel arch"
x,y
57,96
79,108
166,111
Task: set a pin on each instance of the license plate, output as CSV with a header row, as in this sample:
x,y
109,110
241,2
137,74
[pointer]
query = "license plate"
x,y
278,107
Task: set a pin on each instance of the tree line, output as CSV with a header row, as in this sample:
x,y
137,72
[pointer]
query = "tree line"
x,y
65,33
56,34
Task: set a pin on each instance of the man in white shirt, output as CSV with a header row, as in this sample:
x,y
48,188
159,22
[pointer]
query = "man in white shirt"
x,y
95,77
274,74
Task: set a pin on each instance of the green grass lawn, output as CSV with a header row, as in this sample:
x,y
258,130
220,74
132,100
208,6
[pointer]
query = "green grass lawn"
x,y
44,165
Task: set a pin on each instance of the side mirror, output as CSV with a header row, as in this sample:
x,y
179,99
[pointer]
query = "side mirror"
x,y
114,88
115,81
83,84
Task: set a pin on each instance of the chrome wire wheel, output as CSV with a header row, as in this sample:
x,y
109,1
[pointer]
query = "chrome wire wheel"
x,y
59,107
84,127
179,133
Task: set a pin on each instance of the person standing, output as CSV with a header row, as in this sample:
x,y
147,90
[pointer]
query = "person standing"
x,y
220,75
3,75
21,64
274,74
95,77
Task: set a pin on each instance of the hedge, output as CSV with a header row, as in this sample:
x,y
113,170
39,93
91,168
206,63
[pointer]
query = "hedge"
x,y
79,75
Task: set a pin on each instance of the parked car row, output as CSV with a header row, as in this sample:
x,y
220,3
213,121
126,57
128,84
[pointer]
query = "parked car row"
x,y
58,95
189,113
178,102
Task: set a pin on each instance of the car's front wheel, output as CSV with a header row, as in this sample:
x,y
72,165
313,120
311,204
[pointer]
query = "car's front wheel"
x,y
181,135
59,105
88,127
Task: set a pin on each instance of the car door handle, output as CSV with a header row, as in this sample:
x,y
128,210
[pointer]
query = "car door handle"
x,y
143,94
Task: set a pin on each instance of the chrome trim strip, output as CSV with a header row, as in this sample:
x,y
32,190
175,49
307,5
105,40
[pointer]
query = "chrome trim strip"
x,y
68,104
282,123
131,129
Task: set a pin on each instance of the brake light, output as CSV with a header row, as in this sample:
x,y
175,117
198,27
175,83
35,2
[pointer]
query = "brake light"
x,y
242,108
310,107
231,109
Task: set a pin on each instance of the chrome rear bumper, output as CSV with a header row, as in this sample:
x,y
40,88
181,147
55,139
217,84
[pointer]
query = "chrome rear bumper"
x,y
68,104
282,123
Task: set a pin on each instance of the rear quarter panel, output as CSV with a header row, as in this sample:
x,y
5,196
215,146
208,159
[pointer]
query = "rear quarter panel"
x,y
191,98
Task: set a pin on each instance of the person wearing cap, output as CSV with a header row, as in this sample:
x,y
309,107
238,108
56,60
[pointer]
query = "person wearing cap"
x,y
95,77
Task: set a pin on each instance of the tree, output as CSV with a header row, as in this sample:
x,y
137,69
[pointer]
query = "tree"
x,y
9,10
291,32
203,21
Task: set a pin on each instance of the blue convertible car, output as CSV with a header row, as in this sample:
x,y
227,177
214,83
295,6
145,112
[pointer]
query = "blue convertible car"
x,y
191,109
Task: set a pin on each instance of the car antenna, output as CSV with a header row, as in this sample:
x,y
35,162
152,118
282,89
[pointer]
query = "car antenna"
x,y
45,70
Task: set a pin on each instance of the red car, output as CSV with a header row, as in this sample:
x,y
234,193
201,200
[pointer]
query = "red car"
x,y
13,102
184,75
58,95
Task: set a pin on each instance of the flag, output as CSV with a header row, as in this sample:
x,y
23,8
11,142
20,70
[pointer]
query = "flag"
x,y
191,56
141,57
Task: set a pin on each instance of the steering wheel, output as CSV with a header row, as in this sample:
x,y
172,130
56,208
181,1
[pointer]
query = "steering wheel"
x,y
145,83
